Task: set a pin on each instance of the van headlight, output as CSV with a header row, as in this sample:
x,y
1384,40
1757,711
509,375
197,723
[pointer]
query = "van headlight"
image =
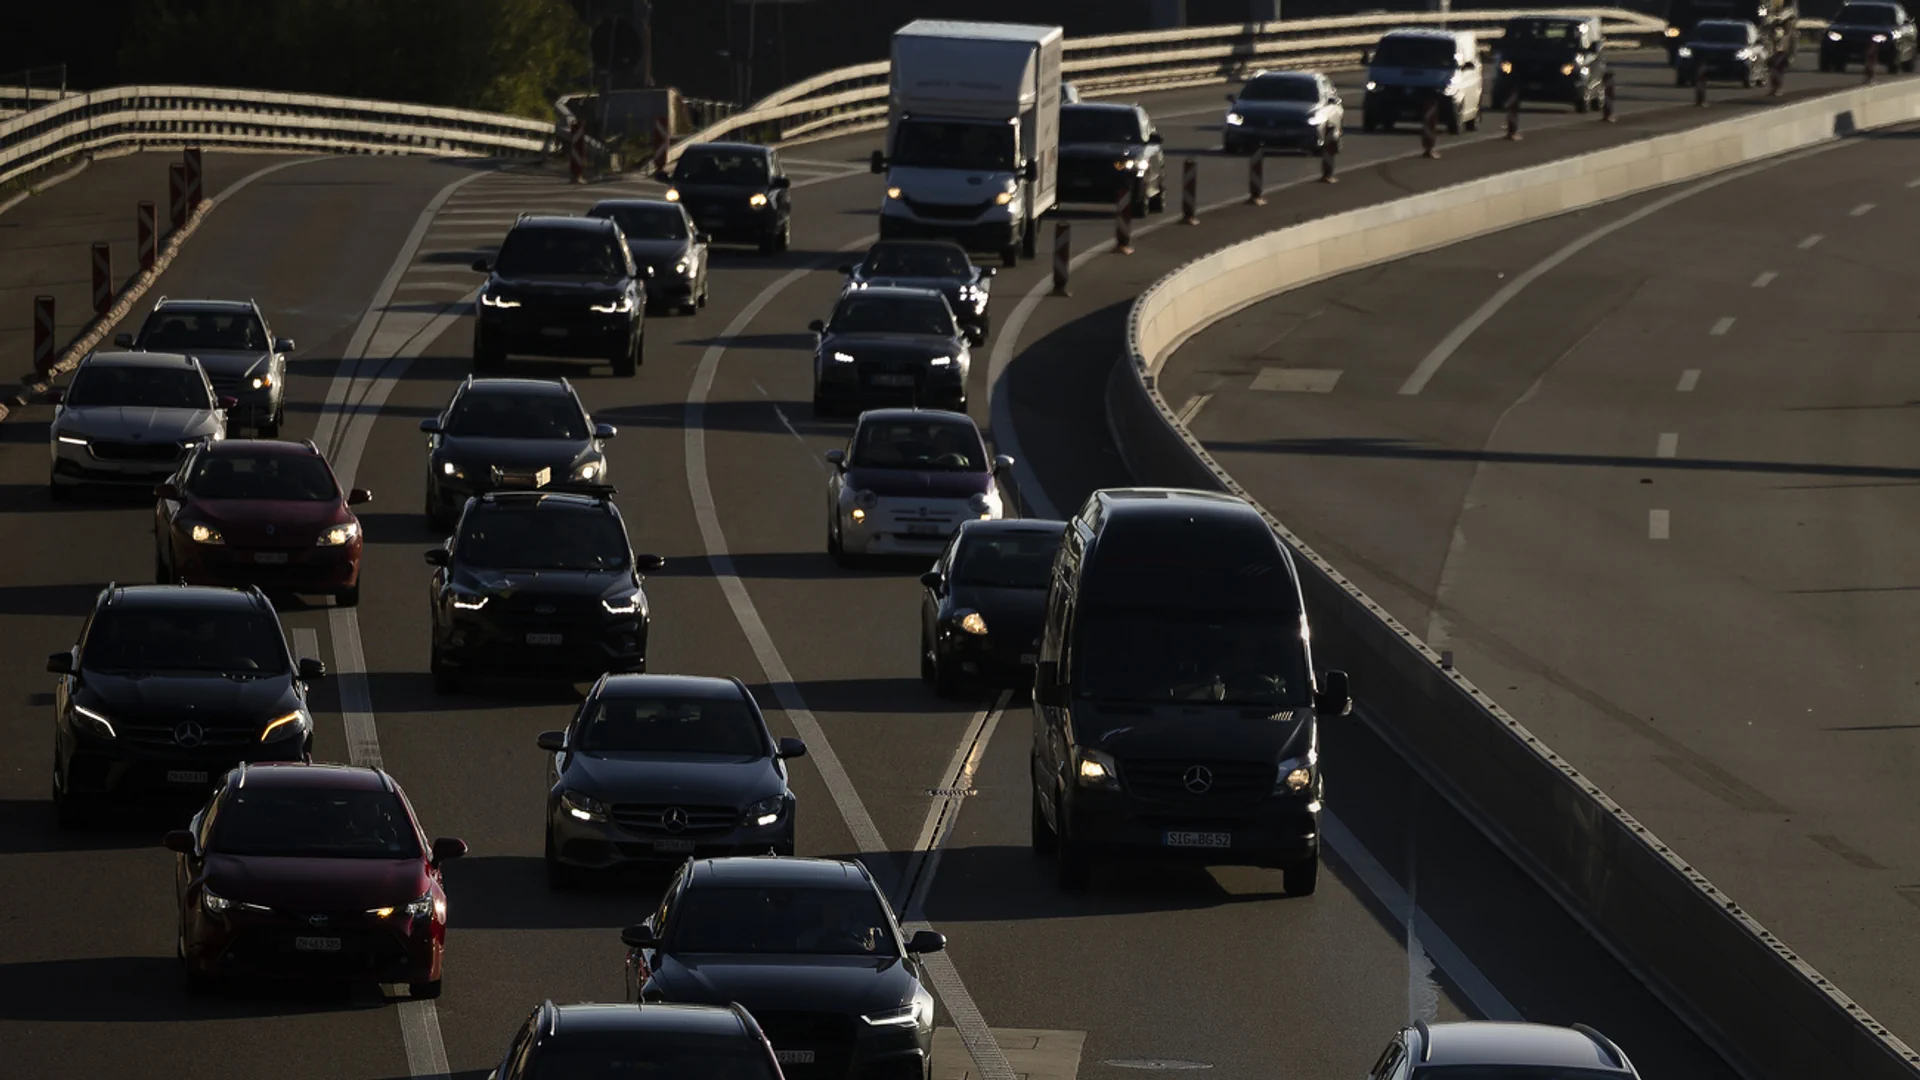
x,y
1096,769
974,623
1878,38
1003,198
213,903
765,812
1673,31
673,194
1295,775
93,722
285,725
940,361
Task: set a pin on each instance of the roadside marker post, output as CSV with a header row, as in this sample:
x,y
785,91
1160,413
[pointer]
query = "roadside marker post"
x,y
1062,257
577,152
1257,178
1123,223
177,194
1190,192
147,234
102,277
43,335
196,178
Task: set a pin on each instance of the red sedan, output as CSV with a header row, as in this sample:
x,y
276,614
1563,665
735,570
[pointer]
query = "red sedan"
x,y
311,872
257,512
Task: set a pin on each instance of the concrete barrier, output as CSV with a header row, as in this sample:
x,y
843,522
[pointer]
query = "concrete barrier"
x,y
1762,1006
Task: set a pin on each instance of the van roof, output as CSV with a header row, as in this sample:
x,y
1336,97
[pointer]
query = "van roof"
x,y
1168,546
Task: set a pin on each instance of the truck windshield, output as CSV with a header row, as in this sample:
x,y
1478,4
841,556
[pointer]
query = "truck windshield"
x,y
937,144
1157,656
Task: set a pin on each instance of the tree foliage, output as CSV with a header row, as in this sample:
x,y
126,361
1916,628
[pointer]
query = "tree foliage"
x,y
499,55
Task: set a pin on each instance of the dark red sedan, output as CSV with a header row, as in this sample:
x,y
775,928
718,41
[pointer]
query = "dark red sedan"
x,y
259,512
311,872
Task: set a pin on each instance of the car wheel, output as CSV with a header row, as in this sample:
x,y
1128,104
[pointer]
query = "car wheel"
x,y
196,982
1679,79
1071,867
560,876
424,991
67,811
1301,878
1041,835
1010,255
946,681
1582,105
1029,239
1138,207
624,362
59,492
926,659
348,597
785,242
1157,202
835,547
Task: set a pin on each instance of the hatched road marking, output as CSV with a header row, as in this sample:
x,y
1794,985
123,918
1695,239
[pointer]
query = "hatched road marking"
x,y
1669,444
1764,280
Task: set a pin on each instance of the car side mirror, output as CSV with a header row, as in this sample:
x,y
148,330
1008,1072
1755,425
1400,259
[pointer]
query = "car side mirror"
x,y
639,936
646,563
180,840
933,579
60,663
781,183
1156,138
662,176
436,556
446,848
358,496
817,326
167,489
1002,462
124,341
837,458
227,401
55,396
553,742
878,162
605,431
1366,57
311,668
926,941
791,747
1030,172
431,425
283,345
1046,682
1231,98
480,266
1335,696
988,271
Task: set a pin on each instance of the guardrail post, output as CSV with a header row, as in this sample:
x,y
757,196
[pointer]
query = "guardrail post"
x,y
1430,127
1513,114
577,152
1062,257
662,141
177,194
1123,222
1606,96
43,335
148,235
1190,193
102,277
1257,178
196,178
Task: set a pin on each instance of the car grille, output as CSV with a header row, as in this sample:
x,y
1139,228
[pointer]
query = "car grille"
x,y
157,453
520,478
1233,782
161,736
829,1035
946,211
1088,171
650,819
225,385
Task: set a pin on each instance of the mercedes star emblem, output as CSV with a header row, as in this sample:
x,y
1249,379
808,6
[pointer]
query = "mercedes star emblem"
x,y
189,734
675,819
1198,779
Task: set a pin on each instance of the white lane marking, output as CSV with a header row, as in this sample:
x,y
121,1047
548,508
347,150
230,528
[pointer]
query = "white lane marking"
x,y
1659,524
1914,183
1862,210
1428,366
1811,240
818,461
1288,380
943,809
1192,408
1689,379
306,643
1669,444
420,1030
1721,326
1765,279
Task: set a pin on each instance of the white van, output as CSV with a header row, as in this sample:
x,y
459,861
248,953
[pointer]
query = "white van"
x,y
1409,66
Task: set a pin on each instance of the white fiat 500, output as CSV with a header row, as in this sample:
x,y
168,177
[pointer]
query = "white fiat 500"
x,y
906,481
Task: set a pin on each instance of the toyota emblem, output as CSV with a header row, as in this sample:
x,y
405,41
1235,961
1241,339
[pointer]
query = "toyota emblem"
x,y
316,920
1198,779
189,734
675,819
543,609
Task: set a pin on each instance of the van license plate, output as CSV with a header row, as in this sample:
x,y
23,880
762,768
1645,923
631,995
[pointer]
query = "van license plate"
x,y
275,557
1200,839
316,944
793,1057
186,776
544,639
677,847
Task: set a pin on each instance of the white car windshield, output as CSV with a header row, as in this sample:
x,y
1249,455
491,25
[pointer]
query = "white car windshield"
x,y
139,387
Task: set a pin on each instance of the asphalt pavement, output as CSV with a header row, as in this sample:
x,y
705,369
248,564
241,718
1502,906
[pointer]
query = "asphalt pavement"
x,y
719,468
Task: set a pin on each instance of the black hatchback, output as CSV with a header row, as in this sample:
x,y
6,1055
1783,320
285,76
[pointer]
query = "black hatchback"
x,y
736,192
561,286
941,265
600,1040
510,434
985,599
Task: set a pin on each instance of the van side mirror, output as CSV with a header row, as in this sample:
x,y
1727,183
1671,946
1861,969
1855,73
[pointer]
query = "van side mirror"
x,y
55,396
1231,98
178,840
1156,138
639,936
791,747
989,271
780,183
847,269
1030,172
837,458
553,742
878,163
311,669
662,175
703,238
60,663
227,401
1335,696
1046,683
1002,462
124,341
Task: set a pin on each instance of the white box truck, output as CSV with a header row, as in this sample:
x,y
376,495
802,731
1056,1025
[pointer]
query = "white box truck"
x,y
973,134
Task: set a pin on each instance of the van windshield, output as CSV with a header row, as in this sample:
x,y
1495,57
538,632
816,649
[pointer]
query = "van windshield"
x,y
1160,656
1429,53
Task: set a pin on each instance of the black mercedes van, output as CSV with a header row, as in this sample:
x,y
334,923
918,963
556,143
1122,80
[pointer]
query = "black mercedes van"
x,y
1175,710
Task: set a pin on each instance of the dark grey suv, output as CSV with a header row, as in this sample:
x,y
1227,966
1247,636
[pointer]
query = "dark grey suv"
x,y
565,287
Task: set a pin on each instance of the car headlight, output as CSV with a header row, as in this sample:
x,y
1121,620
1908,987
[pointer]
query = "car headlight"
x,y
940,361
622,605
1506,67
292,723
1833,35
1123,165
70,439
1684,52
986,504
1234,119
213,903
495,300
588,470
206,534
1673,31
261,382
893,193
916,1013
1879,38
448,468
757,200
619,305
858,515
865,499
974,623
842,358
1097,769
340,535
1566,69
583,807
765,812
1371,85
94,722
469,603
682,267
673,194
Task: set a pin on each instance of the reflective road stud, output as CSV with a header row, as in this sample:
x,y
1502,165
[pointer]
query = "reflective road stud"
x,y
1257,178
196,178
1062,256
148,235
1123,223
43,334
1190,192
102,277
177,194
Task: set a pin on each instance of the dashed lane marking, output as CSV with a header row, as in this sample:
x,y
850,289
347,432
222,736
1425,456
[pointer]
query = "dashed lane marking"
x,y
1669,444
1811,240
1192,408
1862,210
1659,524
1689,379
1765,279
1288,380
1721,326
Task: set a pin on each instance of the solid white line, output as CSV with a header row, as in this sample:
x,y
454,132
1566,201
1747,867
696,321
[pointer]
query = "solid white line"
x,y
1764,280
1721,326
1914,183
1811,240
1659,524
943,810
420,1030
1669,444
1689,379
1192,408
306,643
1861,211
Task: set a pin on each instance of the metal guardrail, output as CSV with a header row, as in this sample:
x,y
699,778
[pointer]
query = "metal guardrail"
x,y
214,117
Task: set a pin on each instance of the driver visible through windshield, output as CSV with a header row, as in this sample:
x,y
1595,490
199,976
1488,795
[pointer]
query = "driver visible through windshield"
x,y
829,922
930,144
504,539
292,477
672,726
917,443
1180,656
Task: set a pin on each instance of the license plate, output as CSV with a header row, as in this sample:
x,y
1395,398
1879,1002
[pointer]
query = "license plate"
x,y
675,846
316,944
884,379
544,639
1200,839
554,331
923,530
274,557
186,776
793,1057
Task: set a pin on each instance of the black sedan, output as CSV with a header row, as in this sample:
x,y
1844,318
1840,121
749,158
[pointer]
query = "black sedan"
x,y
664,243
889,344
985,599
658,768
1110,150
1858,27
1722,50
561,286
930,264
810,947
510,434
1296,109
736,192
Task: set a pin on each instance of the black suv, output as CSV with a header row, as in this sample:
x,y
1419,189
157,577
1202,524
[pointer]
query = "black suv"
x,y
561,286
510,434
242,358
889,344
736,192
1109,150
538,583
168,688
1551,58
1857,27
627,1040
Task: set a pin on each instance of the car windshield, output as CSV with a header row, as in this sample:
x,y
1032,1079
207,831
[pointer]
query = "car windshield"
x,y
234,641
536,252
1169,655
654,1055
830,922
312,822
1511,1072
1281,88
864,313
173,330
1414,52
937,144
141,387
665,725
528,539
295,477
917,261
517,415
919,443
1865,15
1097,125
1006,559
660,222
1721,33
722,167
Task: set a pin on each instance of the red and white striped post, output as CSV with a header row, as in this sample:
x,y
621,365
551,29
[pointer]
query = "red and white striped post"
x,y
147,234
1190,193
1062,257
662,141
1257,178
1123,222
177,194
196,178
1606,97
577,152
102,277
43,334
